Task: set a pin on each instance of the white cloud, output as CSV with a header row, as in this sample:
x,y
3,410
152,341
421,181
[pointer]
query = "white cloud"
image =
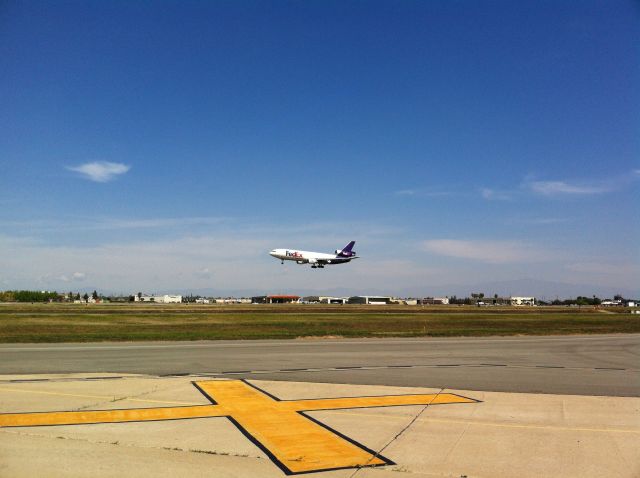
x,y
100,171
217,261
493,195
204,273
238,261
429,192
160,222
76,277
496,252
553,188
608,183
543,220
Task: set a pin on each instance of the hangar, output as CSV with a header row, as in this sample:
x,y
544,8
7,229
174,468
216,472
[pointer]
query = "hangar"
x,y
275,299
159,299
321,299
523,301
369,299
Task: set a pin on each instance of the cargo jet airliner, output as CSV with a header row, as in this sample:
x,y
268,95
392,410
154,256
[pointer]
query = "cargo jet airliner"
x,y
316,259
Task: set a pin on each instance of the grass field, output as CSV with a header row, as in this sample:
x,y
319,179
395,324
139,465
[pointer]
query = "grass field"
x,y
129,322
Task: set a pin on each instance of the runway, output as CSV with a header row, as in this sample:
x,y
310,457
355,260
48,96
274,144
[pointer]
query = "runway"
x,y
578,365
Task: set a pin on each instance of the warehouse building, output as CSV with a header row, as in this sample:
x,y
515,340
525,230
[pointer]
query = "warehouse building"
x,y
276,299
523,301
323,299
369,299
434,301
159,299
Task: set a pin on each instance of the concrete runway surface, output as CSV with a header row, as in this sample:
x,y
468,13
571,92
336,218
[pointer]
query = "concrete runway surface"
x,y
607,365
137,425
333,408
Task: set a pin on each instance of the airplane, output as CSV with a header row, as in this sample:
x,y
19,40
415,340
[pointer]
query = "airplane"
x,y
317,259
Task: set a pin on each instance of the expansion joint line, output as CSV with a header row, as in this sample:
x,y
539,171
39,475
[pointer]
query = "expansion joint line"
x,y
400,433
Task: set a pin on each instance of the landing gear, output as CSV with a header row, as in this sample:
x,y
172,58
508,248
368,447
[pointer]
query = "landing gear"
x,y
282,261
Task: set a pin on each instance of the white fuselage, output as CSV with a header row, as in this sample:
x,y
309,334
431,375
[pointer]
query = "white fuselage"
x,y
317,259
303,257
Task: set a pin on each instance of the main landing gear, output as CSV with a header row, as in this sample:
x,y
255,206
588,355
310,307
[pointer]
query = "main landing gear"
x,y
317,267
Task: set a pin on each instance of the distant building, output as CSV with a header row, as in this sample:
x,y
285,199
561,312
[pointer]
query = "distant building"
x,y
276,299
159,299
233,300
434,301
323,299
523,301
202,300
369,299
617,302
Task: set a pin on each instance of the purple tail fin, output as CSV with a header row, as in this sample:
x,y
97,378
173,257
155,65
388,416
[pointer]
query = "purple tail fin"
x,y
346,251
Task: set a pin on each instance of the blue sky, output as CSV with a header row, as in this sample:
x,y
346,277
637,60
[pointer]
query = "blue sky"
x,y
162,146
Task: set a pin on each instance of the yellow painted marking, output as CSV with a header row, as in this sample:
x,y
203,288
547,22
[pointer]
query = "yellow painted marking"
x,y
294,442
382,401
105,416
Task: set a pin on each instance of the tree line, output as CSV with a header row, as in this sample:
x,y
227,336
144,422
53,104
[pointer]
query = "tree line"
x,y
44,296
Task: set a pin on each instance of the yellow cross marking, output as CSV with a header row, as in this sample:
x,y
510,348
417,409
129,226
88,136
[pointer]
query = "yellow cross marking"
x,y
294,441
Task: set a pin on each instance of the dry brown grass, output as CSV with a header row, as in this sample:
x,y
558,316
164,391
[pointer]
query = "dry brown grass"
x,y
128,322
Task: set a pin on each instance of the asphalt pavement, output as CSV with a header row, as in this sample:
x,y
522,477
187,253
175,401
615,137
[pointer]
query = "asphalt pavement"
x,y
606,365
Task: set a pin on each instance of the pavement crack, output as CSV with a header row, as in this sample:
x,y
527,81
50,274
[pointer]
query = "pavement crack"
x,y
400,433
125,397
467,424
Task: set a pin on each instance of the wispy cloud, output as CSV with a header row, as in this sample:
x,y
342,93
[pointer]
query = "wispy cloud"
x,y
423,192
406,192
75,277
565,187
226,256
204,273
541,221
159,222
496,252
554,188
493,195
106,224
100,171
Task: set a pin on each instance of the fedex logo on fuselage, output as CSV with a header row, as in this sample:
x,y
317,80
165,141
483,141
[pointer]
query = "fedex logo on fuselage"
x,y
293,254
